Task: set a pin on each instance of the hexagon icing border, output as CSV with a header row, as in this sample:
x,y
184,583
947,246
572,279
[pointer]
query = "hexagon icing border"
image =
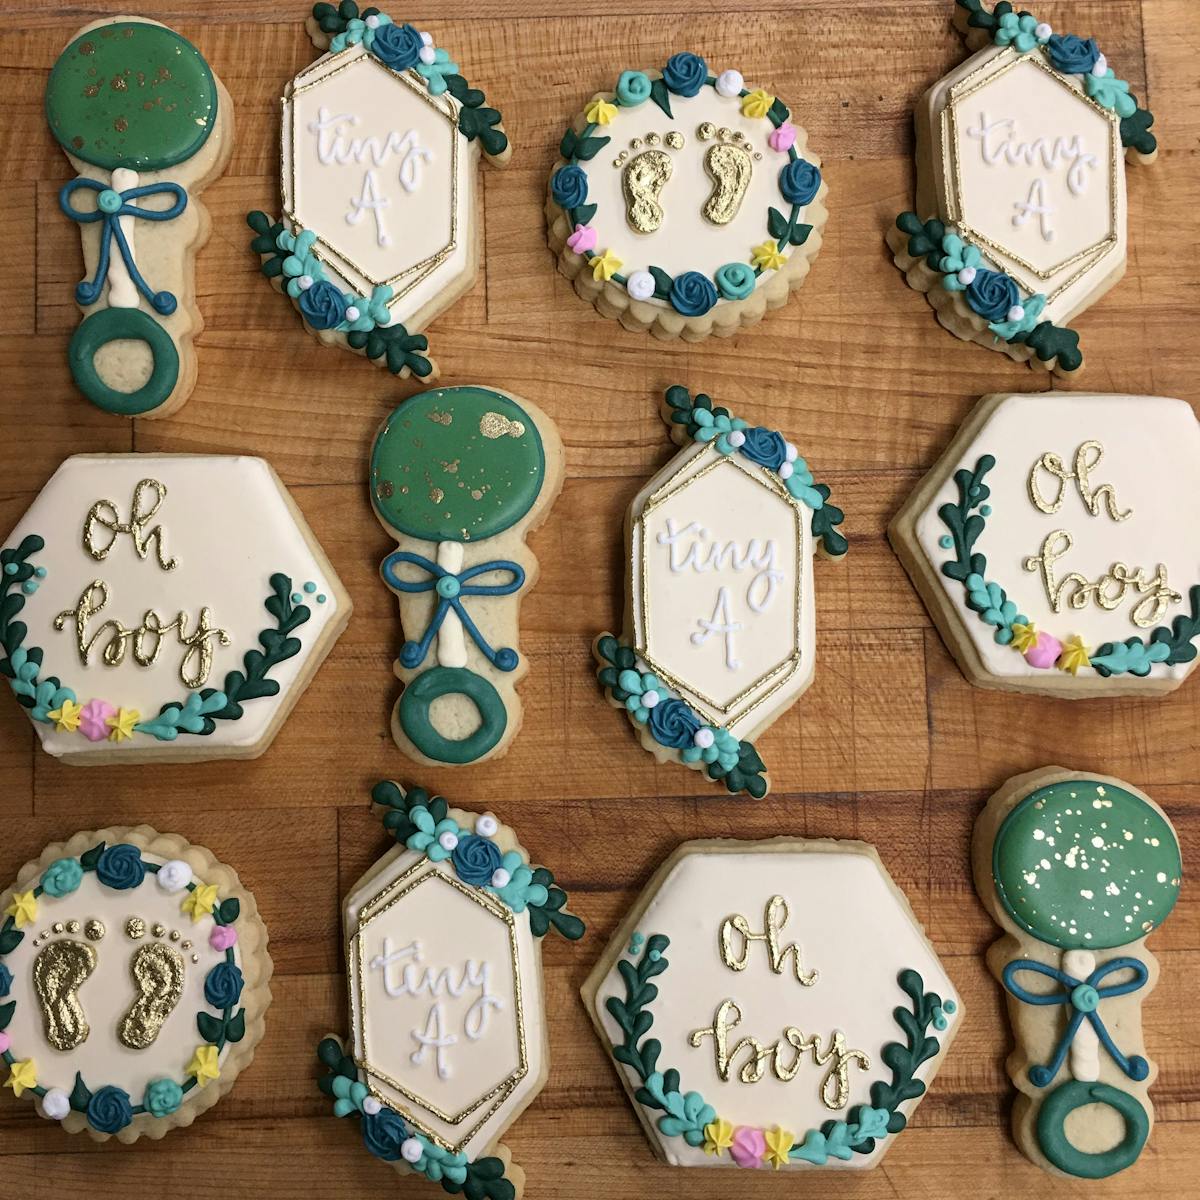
x,y
289,257
424,823
621,671
939,259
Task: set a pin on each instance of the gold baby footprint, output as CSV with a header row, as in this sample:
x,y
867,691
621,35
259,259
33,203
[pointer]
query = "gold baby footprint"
x,y
157,971
59,971
729,165
644,177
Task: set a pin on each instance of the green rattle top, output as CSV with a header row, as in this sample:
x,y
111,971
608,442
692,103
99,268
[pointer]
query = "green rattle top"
x,y
1085,865
131,94
457,465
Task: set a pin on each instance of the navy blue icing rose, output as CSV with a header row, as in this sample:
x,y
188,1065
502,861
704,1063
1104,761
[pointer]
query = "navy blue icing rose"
x,y
476,859
397,46
673,724
992,294
799,181
692,294
1072,55
383,1134
569,187
121,867
223,985
109,1110
765,447
323,306
685,74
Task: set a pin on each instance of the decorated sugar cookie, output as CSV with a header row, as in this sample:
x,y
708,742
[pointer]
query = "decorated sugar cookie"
x,y
686,202
163,607
133,982
147,126
719,626
1054,545
1078,870
459,477
773,1006
1020,219
447,1042
380,230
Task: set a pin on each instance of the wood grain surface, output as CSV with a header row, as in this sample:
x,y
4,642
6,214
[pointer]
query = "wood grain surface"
x,y
890,745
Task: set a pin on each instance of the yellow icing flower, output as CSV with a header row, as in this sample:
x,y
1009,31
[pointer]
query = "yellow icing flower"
x,y
779,1142
22,1075
605,266
1024,636
757,103
122,723
66,716
768,256
200,901
204,1065
23,908
718,1136
1074,655
600,112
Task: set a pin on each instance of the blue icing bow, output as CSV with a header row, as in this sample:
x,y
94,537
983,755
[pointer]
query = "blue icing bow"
x,y
1084,996
110,206
451,588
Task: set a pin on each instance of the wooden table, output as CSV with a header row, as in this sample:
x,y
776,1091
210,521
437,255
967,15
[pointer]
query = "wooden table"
x,y
891,745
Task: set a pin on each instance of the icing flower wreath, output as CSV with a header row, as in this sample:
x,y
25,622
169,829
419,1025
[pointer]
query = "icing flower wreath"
x,y
691,293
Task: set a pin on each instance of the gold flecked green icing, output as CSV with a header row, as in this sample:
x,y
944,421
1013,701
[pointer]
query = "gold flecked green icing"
x,y
131,95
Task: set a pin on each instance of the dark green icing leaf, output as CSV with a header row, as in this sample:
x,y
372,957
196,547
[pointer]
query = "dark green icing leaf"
x,y
661,97
80,1094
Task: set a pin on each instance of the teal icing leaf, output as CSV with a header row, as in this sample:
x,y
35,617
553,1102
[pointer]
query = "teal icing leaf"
x,y
584,213
89,858
209,1027
662,97
1135,131
588,147
777,223
1183,631
393,343
1133,657
1048,341
235,1030
482,123
924,237
80,1094
662,283
778,113
799,234
10,939
229,910
567,146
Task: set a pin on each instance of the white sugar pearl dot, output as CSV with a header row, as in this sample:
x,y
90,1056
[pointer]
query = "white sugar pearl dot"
x,y
1042,31
737,438
56,1104
1101,67
427,55
650,698
703,738
448,840
410,1150
372,22
1016,313
966,276
426,39
351,313
785,470
371,1106
500,878
729,83
791,453
487,825
305,281
640,285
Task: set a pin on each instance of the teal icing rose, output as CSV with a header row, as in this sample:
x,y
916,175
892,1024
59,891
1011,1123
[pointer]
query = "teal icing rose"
x,y
633,88
735,280
685,74
692,294
109,1110
162,1098
121,867
62,877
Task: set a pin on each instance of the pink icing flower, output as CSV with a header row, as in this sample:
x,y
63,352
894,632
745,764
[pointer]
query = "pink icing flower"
x,y
5,1042
749,1146
783,138
93,720
1044,653
222,937
583,239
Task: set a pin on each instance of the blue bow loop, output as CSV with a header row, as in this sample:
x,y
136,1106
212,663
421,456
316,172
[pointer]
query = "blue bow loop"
x,y
111,205
451,588
1083,996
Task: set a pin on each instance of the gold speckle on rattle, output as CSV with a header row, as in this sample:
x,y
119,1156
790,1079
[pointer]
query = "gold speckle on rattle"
x,y
94,930
92,90
440,418
386,488
87,48
495,425
436,495
118,83
135,928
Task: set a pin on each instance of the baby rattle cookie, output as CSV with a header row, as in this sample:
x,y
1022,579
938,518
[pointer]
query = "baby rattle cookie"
x,y
719,632
460,477
1077,869
381,230
447,1013
1019,223
134,981
686,203
147,125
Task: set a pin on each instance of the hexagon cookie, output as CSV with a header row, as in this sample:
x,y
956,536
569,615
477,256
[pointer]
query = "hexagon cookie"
x,y
448,1038
719,626
1054,547
774,1005
163,606
380,142
1020,216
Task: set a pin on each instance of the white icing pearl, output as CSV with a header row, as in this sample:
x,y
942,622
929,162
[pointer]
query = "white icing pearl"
x,y
305,282
486,825
650,698
966,276
56,1104
500,878
371,1106
790,452
410,1150
174,876
371,22
785,470
737,438
352,313
426,39
730,84
448,840
1101,67
703,738
1042,31
1016,313
427,54
640,285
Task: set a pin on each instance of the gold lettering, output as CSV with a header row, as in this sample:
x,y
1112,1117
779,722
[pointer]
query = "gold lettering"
x,y
1087,458
105,515
775,916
